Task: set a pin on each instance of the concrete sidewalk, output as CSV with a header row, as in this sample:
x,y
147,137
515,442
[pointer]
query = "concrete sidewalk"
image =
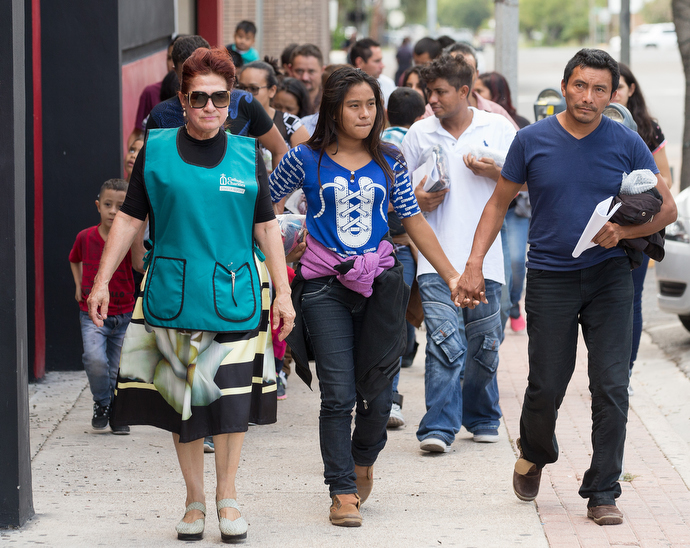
x,y
95,489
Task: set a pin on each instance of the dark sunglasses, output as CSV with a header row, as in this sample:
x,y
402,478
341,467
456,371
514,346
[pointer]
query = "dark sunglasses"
x,y
251,89
199,99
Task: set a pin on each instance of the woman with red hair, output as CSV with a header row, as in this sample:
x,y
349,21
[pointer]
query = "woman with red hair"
x,y
199,332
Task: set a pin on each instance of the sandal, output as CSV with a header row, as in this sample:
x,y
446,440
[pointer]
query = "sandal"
x,y
194,530
231,531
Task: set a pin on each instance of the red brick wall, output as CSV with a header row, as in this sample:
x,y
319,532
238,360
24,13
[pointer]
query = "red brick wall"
x,y
284,22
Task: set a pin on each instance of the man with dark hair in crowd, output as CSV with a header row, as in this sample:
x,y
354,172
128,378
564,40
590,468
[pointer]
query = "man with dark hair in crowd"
x,y
426,50
306,64
445,41
476,100
365,54
469,339
571,162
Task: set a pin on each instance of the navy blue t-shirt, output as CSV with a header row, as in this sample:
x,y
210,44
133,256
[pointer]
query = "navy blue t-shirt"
x,y
566,179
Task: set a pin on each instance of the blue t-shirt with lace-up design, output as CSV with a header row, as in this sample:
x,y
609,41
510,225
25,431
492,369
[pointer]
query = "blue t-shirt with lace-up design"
x,y
348,211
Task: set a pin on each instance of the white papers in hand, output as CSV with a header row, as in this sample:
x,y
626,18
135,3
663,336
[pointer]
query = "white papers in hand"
x,y
599,218
427,169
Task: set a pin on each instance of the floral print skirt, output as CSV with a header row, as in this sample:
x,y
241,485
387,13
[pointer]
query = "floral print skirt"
x,y
196,383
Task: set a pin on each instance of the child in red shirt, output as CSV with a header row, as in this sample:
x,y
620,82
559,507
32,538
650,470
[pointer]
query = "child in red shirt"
x,y
102,345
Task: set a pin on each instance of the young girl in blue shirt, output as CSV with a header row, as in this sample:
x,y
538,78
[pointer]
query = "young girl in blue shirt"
x,y
349,288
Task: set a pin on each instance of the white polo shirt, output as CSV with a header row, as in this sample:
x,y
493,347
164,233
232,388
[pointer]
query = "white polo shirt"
x,y
455,220
387,87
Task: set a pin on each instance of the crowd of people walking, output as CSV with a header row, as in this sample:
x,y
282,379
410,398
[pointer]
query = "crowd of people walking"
x,y
424,200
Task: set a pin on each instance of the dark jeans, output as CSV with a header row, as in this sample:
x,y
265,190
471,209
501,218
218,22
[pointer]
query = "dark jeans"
x,y
599,298
638,276
409,271
333,318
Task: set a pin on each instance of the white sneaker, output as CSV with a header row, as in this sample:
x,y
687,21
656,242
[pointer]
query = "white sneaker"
x,y
434,445
485,436
396,419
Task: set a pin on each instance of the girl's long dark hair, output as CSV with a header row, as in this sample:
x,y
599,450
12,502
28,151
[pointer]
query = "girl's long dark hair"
x,y
638,109
330,114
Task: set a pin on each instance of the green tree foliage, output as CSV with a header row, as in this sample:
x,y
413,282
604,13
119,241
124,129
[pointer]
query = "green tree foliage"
x,y
555,20
657,11
469,14
415,11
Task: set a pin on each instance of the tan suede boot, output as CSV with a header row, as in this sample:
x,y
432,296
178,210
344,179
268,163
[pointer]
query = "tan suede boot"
x,y
345,510
364,481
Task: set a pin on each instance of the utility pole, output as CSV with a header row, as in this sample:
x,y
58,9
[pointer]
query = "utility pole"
x,y
625,31
507,32
431,18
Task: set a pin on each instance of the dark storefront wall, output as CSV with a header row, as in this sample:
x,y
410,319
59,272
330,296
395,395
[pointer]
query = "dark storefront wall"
x,y
145,31
84,45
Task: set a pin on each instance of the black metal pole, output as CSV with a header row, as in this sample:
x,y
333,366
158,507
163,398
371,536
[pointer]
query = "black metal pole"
x,y
16,503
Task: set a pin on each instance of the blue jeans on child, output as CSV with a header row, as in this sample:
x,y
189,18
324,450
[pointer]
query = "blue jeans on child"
x,y
333,316
101,357
452,402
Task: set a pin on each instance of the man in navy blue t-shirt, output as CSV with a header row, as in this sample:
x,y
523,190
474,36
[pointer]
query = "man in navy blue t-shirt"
x,y
571,162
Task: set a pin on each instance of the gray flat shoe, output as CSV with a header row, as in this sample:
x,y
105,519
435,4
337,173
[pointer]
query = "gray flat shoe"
x,y
194,530
231,531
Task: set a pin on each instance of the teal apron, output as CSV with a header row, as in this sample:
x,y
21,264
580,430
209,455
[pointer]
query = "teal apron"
x,y
202,274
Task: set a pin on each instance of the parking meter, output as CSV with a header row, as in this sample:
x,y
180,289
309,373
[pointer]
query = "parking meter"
x,y
620,114
549,101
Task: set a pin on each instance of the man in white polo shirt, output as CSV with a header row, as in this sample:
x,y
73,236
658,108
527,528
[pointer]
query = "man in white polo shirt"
x,y
458,339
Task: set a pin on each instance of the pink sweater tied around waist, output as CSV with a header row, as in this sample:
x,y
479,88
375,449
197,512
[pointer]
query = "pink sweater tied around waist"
x,y
357,273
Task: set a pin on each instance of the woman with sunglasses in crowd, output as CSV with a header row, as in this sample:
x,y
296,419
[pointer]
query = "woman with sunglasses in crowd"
x,y
198,336
349,287
259,79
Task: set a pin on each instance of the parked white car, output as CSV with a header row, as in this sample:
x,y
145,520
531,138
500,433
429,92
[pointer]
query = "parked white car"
x,y
673,273
660,35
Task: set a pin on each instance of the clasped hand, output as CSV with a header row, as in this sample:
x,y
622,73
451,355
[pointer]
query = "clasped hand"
x,y
471,291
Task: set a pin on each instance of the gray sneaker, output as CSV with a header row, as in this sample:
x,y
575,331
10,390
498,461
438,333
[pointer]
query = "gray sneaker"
x,y
396,419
